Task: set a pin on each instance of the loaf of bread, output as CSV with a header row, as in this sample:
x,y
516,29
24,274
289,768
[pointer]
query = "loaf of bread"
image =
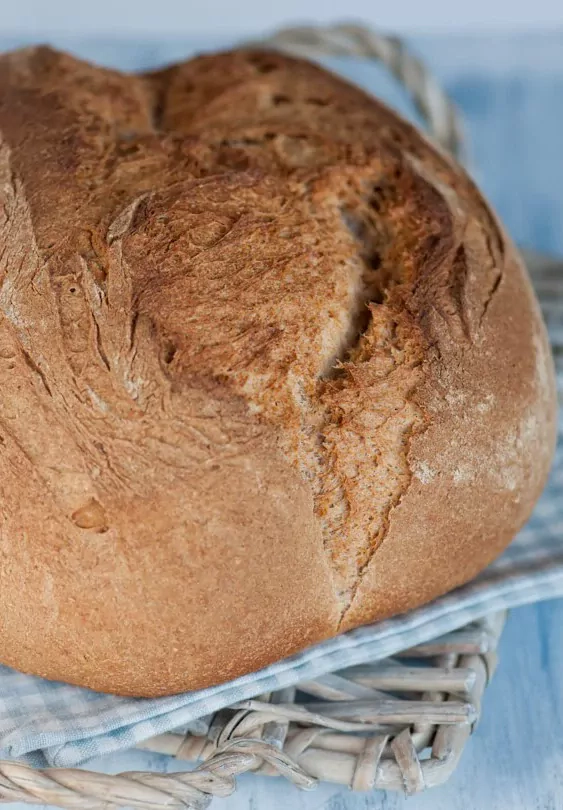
x,y
270,369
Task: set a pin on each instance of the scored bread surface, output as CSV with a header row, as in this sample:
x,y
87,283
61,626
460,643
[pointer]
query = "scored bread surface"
x,y
270,369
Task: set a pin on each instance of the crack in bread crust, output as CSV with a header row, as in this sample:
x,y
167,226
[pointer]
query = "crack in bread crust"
x,y
252,313
343,398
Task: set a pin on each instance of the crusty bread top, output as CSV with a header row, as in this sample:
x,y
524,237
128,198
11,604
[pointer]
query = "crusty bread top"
x,y
238,264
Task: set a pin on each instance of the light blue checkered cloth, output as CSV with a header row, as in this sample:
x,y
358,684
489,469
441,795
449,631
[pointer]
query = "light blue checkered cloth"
x,y
52,723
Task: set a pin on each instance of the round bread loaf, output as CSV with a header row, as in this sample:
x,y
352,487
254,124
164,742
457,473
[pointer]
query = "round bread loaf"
x,y
270,369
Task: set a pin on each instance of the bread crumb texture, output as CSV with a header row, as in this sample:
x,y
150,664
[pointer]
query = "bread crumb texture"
x,y
269,368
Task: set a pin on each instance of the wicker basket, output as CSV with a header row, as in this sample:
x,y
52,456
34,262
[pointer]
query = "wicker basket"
x,y
399,724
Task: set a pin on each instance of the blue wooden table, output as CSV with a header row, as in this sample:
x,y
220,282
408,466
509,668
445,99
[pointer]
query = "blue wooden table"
x,y
511,91
514,760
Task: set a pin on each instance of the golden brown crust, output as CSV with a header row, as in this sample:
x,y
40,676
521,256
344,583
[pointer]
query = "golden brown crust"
x,y
269,369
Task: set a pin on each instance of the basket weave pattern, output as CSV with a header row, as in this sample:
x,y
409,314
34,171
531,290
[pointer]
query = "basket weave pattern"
x,y
397,724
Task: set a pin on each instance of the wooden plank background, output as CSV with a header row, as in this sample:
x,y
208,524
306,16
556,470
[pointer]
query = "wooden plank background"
x,y
511,91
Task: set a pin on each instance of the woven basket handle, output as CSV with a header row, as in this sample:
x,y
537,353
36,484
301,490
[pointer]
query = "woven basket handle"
x,y
437,110
78,789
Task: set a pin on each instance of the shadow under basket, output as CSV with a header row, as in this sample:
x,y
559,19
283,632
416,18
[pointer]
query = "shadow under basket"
x,y
397,724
